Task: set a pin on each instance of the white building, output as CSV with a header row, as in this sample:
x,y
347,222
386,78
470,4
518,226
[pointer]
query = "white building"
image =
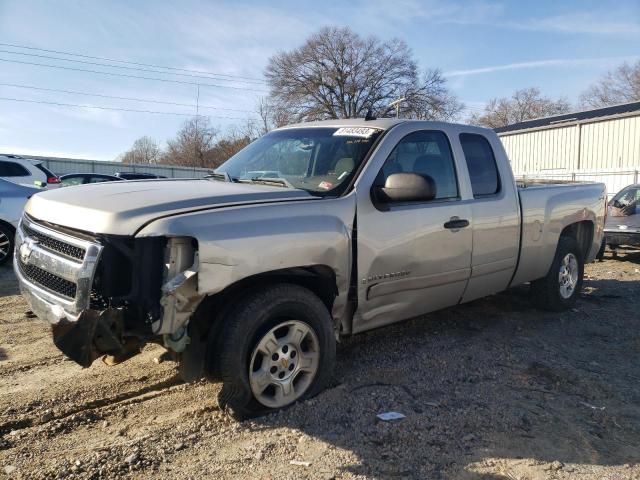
x,y
601,144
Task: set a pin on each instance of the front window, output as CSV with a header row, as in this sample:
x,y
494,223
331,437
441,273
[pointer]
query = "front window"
x,y
69,181
426,153
319,160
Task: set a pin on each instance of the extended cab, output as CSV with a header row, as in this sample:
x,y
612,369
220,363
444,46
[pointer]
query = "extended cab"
x,y
251,279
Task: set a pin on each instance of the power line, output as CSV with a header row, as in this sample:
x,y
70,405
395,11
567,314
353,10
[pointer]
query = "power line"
x,y
49,57
75,92
125,61
60,104
113,74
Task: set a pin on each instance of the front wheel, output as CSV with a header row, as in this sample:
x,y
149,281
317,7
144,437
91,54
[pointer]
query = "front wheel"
x,y
277,348
561,287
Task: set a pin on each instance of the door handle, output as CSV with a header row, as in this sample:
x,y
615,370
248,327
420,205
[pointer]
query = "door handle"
x,y
456,223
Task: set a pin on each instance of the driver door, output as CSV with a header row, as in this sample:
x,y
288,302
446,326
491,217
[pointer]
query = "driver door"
x,y
410,260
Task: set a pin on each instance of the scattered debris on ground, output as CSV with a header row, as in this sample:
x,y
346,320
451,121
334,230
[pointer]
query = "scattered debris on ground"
x,y
493,389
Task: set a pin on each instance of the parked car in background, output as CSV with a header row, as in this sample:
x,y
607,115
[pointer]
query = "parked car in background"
x,y
82,178
12,200
137,176
252,280
27,171
622,228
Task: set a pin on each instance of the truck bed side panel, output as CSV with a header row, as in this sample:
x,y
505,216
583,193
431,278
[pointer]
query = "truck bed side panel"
x,y
546,211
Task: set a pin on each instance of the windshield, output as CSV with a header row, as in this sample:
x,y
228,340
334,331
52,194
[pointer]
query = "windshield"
x,y
319,160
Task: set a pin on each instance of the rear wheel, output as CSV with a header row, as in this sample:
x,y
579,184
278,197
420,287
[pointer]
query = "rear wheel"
x,y
6,243
276,348
561,287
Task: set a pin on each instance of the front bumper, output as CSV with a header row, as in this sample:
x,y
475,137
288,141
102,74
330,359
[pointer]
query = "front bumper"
x,y
55,271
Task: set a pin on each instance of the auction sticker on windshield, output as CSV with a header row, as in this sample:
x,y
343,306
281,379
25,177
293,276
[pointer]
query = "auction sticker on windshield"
x,y
363,132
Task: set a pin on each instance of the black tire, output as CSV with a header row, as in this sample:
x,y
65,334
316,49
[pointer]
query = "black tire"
x,y
545,292
6,249
259,312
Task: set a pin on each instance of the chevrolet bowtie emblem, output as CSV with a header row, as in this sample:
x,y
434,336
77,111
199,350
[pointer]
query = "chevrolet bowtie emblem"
x,y
284,362
26,248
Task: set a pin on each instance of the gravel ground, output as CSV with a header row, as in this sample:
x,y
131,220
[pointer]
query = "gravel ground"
x,y
492,389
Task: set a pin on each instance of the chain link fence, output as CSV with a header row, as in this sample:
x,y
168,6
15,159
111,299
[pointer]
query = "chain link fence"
x,y
63,166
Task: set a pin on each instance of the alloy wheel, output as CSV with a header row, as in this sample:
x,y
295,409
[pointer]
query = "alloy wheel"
x,y
284,363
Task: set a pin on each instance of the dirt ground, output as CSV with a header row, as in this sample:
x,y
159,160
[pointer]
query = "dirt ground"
x,y
492,389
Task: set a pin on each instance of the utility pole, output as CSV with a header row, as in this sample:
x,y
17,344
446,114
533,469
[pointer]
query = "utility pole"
x,y
397,104
195,143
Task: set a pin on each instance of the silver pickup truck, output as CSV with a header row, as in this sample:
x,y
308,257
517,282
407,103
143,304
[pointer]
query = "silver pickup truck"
x,y
251,278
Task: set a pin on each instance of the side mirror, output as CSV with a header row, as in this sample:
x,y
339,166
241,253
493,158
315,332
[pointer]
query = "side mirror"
x,y
406,187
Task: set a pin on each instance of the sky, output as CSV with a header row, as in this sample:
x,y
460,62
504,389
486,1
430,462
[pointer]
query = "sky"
x,y
485,50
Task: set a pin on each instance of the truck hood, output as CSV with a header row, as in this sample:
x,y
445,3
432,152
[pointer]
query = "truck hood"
x,y
122,208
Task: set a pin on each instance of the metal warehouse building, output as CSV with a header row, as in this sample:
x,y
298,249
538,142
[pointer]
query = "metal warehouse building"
x,y
601,145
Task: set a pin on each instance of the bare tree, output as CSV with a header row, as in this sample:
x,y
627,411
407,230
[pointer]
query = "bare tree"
x,y
621,85
431,99
145,150
199,144
338,74
234,140
272,115
525,104
193,145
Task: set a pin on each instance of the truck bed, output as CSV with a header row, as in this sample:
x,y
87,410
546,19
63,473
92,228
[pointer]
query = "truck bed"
x,y
546,207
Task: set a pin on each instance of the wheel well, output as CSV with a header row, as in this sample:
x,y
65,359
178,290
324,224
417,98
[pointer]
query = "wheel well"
x,y
208,318
582,232
320,279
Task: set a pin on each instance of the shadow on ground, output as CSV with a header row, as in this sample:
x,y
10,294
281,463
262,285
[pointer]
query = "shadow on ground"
x,y
624,256
485,384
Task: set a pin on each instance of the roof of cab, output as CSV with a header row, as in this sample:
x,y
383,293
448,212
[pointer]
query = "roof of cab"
x,y
382,123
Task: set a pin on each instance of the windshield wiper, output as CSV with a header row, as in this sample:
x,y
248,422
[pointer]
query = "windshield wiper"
x,y
269,181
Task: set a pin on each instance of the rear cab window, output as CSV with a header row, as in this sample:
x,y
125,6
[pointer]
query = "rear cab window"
x,y
481,164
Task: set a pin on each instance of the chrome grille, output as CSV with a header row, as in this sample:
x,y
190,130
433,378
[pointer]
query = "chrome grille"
x,y
50,243
55,268
49,280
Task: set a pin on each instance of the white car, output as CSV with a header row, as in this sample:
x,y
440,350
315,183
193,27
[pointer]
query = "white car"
x,y
27,171
12,200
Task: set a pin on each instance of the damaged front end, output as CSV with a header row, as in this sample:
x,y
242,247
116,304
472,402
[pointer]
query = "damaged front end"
x,y
107,296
